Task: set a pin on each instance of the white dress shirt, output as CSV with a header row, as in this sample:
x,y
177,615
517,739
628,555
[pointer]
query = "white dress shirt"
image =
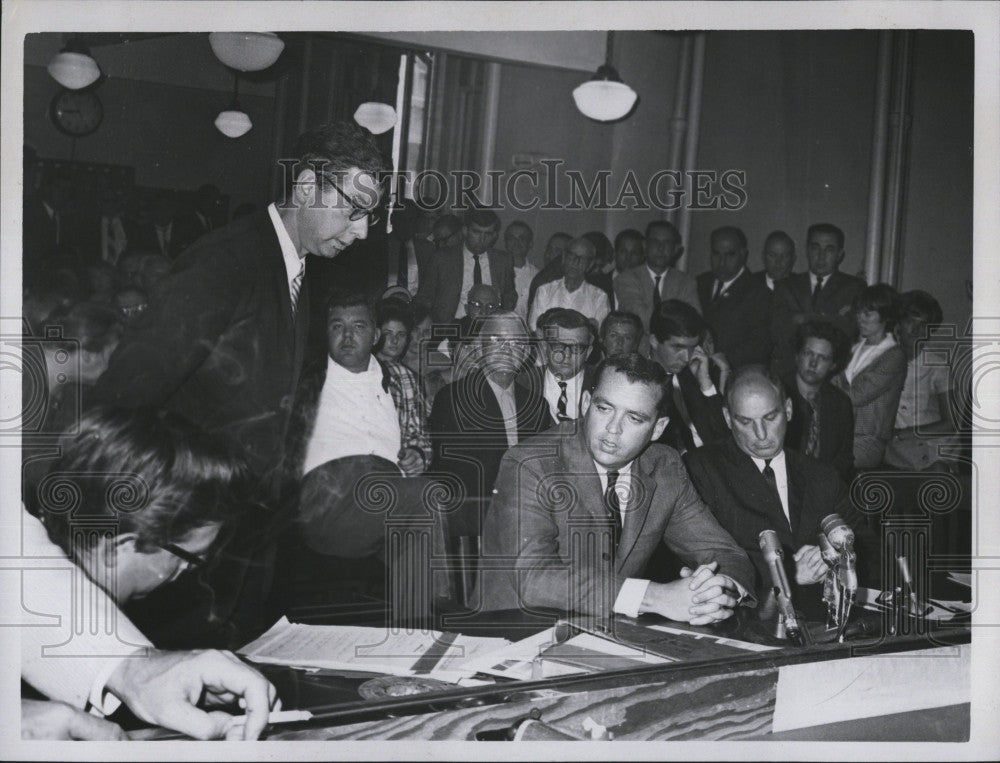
x,y
588,299
71,658
468,276
780,477
113,239
508,408
633,590
293,263
551,391
354,417
769,281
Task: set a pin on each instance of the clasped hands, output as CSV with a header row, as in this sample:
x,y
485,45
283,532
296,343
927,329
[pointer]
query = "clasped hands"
x,y
699,597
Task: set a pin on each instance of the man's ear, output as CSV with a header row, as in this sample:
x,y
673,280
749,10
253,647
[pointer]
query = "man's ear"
x,y
659,426
678,253
585,402
304,188
840,257
725,415
113,549
788,408
654,343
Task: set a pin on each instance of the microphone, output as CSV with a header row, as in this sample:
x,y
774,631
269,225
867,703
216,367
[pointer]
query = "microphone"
x,y
916,607
774,556
830,555
841,537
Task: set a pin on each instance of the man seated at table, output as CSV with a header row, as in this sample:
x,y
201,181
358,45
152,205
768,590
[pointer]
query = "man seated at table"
x,y
604,486
754,483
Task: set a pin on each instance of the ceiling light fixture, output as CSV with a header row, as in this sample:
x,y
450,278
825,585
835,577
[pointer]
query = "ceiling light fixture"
x,y
73,67
376,117
246,51
605,97
234,122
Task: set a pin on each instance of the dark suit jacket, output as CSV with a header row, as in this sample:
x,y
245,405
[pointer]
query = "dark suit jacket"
x,y
739,318
634,291
422,249
705,413
793,297
549,493
836,427
187,229
730,483
534,379
219,343
469,438
442,286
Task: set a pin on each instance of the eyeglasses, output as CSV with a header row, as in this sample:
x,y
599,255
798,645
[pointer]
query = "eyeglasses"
x,y
480,305
562,348
357,212
194,561
504,343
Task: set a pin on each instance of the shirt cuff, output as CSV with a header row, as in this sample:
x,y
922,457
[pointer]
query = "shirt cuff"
x,y
744,594
100,701
630,597
710,391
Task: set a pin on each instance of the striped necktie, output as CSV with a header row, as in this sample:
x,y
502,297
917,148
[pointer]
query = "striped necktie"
x,y
296,286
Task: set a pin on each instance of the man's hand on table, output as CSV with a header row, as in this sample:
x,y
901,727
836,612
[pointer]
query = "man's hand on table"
x,y
165,687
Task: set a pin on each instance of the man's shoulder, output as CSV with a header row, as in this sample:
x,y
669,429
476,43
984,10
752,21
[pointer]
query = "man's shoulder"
x,y
632,276
705,279
835,395
243,240
819,475
846,282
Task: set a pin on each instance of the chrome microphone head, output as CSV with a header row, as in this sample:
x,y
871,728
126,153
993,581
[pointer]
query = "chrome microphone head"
x,y
837,531
769,544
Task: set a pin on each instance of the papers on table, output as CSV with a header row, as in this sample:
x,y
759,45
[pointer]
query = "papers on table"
x,y
722,640
962,578
377,650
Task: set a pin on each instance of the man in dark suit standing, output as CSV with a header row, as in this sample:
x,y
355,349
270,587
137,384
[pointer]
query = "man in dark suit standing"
x,y
779,259
476,418
223,340
603,486
753,483
454,270
694,404
408,255
735,305
822,423
824,291
192,224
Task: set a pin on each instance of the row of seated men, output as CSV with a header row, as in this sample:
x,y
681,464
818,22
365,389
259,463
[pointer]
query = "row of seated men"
x,y
224,345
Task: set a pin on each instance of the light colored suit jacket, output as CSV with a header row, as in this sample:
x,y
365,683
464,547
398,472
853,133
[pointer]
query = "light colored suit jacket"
x,y
874,393
634,291
548,509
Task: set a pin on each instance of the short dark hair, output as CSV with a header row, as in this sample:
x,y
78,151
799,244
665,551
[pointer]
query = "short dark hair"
x,y
481,218
638,369
663,224
394,310
826,228
626,235
521,224
779,235
677,318
730,230
339,146
559,234
622,316
920,304
883,299
821,329
565,318
95,326
153,472
745,374
603,250
349,298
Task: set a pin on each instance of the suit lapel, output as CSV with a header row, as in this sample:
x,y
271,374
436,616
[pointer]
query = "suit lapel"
x,y
581,469
758,494
641,491
795,491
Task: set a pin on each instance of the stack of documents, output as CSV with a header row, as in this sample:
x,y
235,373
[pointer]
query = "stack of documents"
x,y
372,650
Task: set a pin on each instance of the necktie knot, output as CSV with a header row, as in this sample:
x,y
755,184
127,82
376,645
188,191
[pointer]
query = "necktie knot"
x,y
477,270
563,400
657,299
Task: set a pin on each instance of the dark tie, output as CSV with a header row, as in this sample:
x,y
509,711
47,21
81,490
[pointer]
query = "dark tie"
x,y
718,290
817,290
772,482
477,270
561,405
812,437
656,293
613,507
296,286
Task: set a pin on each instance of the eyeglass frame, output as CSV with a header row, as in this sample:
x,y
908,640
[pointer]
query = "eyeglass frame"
x,y
357,212
193,561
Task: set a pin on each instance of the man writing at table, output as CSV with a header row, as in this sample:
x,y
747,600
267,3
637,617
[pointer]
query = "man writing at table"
x,y
554,487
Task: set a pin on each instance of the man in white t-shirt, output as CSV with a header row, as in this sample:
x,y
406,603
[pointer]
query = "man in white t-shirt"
x,y
572,290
